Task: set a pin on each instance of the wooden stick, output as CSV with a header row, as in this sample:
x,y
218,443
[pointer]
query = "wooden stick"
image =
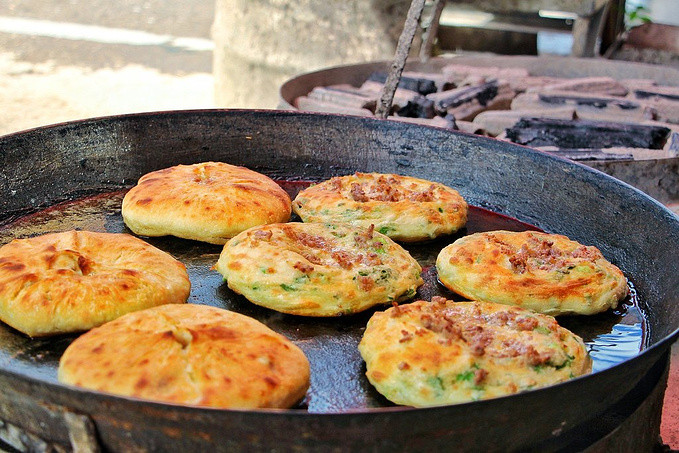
x,y
432,31
412,23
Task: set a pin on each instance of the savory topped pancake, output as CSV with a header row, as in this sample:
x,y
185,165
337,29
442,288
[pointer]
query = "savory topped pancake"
x,y
189,354
401,207
314,269
445,352
76,280
547,273
209,202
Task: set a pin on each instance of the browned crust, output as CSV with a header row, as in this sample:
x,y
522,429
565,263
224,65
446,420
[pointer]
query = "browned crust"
x,y
210,201
189,354
75,280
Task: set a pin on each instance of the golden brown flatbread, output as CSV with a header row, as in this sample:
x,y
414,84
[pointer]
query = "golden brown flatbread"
x,y
547,273
189,354
76,280
445,352
209,202
402,207
314,269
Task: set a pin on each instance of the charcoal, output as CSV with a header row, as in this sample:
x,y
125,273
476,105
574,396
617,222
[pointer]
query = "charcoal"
x,y
401,96
470,128
419,107
585,134
587,106
456,72
439,80
305,103
446,123
419,85
343,97
635,84
591,85
664,100
446,100
663,94
589,101
496,121
588,154
533,83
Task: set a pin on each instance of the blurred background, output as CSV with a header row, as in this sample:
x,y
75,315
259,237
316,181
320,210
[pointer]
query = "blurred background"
x,y
68,59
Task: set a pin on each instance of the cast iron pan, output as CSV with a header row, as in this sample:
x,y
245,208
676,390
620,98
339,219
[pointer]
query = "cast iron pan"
x,y
74,176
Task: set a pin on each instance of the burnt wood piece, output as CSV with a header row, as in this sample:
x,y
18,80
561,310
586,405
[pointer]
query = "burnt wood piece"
x,y
587,106
585,134
665,109
466,102
419,85
590,101
308,104
456,72
532,83
447,122
637,84
588,154
401,95
344,97
439,79
446,100
594,85
471,128
496,122
664,99
664,94
636,154
418,107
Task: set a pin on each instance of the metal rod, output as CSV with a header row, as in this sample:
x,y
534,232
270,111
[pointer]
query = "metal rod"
x,y
412,23
432,31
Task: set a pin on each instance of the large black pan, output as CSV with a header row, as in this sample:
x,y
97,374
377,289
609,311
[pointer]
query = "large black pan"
x,y
44,167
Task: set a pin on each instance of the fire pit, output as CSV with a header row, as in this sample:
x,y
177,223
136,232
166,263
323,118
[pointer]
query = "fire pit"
x,y
621,118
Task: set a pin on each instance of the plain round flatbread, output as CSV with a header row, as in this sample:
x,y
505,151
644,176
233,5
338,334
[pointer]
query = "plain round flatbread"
x,y
402,207
314,269
445,352
547,273
209,202
75,280
189,354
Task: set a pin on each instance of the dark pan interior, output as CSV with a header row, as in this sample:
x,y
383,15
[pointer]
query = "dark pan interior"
x,y
74,163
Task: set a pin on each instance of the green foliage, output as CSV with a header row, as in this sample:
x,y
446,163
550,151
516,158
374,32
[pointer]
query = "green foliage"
x,y
637,16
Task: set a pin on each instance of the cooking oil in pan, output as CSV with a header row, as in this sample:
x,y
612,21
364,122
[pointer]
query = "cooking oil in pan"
x,y
338,382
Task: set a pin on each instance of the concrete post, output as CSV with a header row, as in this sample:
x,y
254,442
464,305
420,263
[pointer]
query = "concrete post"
x,y
261,43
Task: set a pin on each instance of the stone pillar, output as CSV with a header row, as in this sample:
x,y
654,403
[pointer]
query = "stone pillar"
x,y
261,43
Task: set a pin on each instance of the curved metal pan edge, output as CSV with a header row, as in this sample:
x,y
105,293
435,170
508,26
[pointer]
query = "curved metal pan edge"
x,y
51,164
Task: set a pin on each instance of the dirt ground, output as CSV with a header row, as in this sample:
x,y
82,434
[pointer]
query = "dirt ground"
x,y
38,94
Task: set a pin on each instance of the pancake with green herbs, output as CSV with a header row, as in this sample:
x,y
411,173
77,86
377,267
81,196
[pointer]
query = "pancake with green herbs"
x,y
547,273
404,208
316,269
445,352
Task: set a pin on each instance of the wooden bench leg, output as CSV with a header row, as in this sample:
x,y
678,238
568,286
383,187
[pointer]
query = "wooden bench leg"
x,y
586,33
